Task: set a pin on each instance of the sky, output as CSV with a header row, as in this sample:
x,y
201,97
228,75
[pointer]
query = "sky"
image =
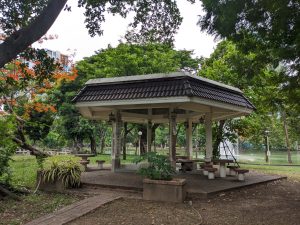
x,y
74,37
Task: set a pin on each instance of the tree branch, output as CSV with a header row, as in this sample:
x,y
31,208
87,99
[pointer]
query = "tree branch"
x,y
26,146
23,38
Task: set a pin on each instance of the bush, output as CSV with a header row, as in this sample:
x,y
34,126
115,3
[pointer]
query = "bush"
x,y
64,168
159,167
7,147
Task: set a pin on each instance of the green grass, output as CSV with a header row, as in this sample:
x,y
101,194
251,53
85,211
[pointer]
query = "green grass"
x,y
292,172
276,157
107,159
24,167
23,171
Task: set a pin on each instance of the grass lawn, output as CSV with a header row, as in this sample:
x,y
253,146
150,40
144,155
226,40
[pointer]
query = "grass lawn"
x,y
292,172
278,157
23,171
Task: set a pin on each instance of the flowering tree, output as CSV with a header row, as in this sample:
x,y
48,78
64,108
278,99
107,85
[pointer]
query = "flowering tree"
x,y
25,93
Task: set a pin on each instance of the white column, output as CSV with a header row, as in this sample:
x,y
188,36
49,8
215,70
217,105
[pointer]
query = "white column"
x,y
208,133
149,135
189,140
172,133
116,141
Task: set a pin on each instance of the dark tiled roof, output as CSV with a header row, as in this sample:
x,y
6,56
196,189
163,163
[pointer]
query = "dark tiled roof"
x,y
162,87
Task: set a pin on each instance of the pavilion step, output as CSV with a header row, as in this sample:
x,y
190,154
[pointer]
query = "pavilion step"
x,y
128,188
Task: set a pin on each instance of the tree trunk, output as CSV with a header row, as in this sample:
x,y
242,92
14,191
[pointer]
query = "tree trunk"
x,y
9,193
30,148
23,38
93,145
287,141
219,139
124,140
153,129
102,145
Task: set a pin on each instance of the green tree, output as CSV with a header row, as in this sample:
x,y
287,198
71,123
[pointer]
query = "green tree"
x,y
124,60
26,22
270,29
261,83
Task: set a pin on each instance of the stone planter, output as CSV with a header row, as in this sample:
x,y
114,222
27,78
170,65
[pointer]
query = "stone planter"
x,y
56,186
166,191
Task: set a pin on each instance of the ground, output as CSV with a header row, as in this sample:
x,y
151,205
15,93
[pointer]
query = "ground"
x,y
262,204
32,206
274,203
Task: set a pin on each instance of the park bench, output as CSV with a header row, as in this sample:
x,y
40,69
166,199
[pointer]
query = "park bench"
x,y
241,174
23,152
232,171
211,172
100,163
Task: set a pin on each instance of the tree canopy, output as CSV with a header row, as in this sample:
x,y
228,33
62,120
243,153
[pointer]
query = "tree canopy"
x,y
270,29
25,23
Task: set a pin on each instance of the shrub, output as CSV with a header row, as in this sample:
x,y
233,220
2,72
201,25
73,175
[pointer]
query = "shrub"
x,y
159,167
64,168
7,147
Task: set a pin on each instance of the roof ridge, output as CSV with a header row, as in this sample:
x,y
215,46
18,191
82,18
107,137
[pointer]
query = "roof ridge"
x,y
188,88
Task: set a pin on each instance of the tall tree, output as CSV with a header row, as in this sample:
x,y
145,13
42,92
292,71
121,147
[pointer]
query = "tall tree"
x,y
268,28
127,60
26,22
24,92
259,80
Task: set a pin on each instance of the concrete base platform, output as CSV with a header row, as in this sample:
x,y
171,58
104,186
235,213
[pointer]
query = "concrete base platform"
x,y
197,184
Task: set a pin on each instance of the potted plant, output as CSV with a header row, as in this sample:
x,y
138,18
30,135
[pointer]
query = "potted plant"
x,y
59,173
159,184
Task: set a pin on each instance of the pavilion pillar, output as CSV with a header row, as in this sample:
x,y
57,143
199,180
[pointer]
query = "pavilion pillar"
x,y
116,141
149,135
208,133
189,140
172,137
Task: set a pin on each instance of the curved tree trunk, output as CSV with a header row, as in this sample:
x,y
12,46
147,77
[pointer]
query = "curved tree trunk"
x,y
23,38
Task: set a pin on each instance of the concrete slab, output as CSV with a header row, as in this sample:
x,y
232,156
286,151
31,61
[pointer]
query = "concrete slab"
x,y
196,182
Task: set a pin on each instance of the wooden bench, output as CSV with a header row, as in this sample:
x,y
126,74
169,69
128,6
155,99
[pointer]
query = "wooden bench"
x,y
100,163
232,171
211,172
241,174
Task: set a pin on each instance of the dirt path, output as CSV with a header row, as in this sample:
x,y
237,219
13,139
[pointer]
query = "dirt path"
x,y
276,203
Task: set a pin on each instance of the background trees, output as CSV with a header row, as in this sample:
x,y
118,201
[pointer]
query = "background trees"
x,y
124,60
270,29
262,83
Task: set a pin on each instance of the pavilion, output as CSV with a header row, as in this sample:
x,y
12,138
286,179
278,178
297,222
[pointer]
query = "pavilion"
x,y
161,98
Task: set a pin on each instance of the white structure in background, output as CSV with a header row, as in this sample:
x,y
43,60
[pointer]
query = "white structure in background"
x,y
229,150
63,59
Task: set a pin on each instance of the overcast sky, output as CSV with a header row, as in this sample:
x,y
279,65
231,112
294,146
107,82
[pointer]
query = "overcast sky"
x,y
73,36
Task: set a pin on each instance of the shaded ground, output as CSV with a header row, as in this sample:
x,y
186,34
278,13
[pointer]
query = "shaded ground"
x,y
274,203
32,206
